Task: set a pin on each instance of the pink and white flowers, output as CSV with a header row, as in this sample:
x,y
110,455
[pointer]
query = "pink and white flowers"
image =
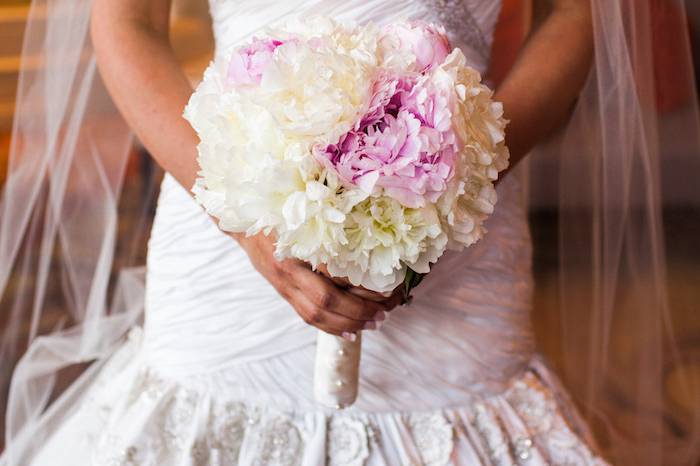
x,y
371,150
423,45
405,143
248,63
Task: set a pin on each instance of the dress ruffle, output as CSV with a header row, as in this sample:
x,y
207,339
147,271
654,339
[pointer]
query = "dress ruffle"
x,y
134,416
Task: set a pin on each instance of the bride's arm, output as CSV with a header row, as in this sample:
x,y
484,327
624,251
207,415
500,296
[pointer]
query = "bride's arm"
x,y
540,90
141,72
146,82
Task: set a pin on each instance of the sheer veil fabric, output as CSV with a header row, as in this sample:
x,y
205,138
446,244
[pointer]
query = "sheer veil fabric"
x,y
626,163
58,223
626,157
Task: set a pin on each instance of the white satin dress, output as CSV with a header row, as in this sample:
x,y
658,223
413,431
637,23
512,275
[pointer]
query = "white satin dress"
x,y
221,372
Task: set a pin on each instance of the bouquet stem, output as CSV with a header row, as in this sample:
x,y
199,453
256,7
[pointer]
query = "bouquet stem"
x,y
337,370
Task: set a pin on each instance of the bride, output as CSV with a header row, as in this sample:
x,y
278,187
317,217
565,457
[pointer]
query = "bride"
x,y
220,370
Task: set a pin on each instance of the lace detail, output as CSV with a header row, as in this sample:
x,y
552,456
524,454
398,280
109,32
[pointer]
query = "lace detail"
x,y
461,25
222,444
127,457
280,443
433,436
522,448
113,452
148,387
544,420
229,427
178,421
488,426
347,442
236,433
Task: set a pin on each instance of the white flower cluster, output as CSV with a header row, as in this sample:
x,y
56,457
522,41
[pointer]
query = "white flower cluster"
x,y
258,172
479,123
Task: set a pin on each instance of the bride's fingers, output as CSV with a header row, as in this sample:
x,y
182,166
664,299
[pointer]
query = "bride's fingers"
x,y
366,294
339,281
326,320
360,291
317,299
324,294
396,299
388,300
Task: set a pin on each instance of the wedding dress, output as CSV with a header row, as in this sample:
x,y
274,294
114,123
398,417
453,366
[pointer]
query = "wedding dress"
x,y
221,371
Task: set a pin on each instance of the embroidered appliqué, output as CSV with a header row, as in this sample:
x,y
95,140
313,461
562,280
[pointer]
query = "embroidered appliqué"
x,y
461,25
433,436
347,442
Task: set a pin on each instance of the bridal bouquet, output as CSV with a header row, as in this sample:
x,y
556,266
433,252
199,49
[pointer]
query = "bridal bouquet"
x,y
370,150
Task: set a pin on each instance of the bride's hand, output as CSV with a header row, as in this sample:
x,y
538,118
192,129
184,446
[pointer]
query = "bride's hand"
x,y
331,305
395,297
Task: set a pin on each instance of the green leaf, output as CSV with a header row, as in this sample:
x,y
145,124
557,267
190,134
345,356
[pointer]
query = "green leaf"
x,y
411,281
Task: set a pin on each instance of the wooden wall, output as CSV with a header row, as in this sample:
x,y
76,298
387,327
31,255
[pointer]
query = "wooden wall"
x,y
11,29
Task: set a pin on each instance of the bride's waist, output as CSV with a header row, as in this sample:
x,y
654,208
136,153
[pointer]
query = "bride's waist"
x,y
474,317
221,331
393,377
418,351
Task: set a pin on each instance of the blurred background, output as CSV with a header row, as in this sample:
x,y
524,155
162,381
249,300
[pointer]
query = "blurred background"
x,y
193,42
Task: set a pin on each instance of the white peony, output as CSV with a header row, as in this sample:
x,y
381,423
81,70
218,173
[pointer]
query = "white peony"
x,y
315,219
319,87
383,238
479,123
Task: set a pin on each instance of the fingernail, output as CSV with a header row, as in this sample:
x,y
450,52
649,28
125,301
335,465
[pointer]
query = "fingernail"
x,y
370,325
349,336
380,316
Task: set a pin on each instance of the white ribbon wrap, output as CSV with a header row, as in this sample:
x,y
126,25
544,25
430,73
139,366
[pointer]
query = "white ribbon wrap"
x,y
337,370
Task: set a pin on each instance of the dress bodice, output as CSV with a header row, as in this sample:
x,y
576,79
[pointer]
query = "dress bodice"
x,y
470,23
209,311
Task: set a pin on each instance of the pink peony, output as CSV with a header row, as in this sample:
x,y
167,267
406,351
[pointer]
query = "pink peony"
x,y
249,62
429,43
404,144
